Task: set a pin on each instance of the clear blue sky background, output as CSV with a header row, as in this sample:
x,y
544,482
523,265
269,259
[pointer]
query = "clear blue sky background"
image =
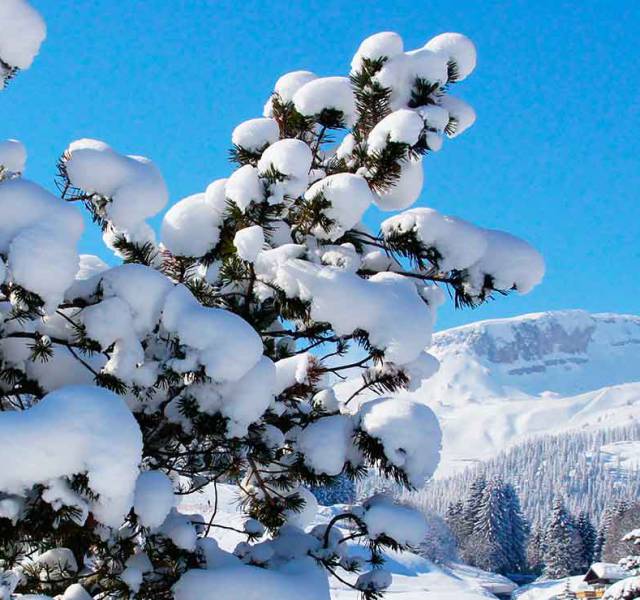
x,y
553,157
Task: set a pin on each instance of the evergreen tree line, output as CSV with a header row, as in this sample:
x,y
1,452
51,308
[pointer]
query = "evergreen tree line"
x,y
570,465
489,531
489,528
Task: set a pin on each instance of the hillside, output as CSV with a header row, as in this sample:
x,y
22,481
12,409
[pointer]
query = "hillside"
x,y
503,381
591,469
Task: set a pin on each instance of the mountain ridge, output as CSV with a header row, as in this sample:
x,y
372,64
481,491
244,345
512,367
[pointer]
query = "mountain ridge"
x,y
502,381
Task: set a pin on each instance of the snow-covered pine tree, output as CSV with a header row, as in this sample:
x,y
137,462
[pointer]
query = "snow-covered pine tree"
x,y
535,551
488,546
540,467
212,356
440,544
587,533
472,507
454,519
517,531
561,558
605,521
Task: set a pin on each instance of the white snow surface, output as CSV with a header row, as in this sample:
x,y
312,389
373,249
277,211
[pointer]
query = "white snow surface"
x,y
249,242
326,93
546,590
349,195
191,227
290,83
154,498
402,126
255,134
13,156
463,113
409,432
385,44
22,31
244,400
326,443
39,234
244,187
396,318
224,343
413,577
73,430
458,48
403,524
133,184
291,158
405,191
254,583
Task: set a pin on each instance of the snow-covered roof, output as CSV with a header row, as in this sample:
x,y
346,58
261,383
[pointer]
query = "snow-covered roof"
x,y
608,571
623,589
632,536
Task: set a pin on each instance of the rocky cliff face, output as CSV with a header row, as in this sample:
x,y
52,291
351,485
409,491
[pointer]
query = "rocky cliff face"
x,y
562,352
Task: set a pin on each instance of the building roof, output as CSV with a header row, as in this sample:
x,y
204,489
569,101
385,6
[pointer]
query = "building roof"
x,y
605,571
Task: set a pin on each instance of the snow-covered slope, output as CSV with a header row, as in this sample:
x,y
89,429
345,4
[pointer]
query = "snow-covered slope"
x,y
504,380
414,578
622,456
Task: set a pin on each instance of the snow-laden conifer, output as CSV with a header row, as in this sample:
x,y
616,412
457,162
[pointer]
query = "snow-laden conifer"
x,y
212,354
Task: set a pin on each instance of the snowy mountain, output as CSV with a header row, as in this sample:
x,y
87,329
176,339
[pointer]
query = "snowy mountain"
x,y
505,380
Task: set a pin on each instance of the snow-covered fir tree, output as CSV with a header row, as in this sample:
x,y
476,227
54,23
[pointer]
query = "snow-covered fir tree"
x,y
489,527
472,505
632,562
561,557
454,519
487,546
517,531
535,551
440,544
211,355
587,533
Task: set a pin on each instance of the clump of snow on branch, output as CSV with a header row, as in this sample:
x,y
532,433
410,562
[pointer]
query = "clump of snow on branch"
x,y
125,191
22,31
71,431
409,433
511,263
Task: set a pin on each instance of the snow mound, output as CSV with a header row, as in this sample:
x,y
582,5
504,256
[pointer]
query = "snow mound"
x,y
74,430
132,185
22,31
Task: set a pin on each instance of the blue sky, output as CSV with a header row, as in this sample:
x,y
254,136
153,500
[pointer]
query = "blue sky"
x,y
554,156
